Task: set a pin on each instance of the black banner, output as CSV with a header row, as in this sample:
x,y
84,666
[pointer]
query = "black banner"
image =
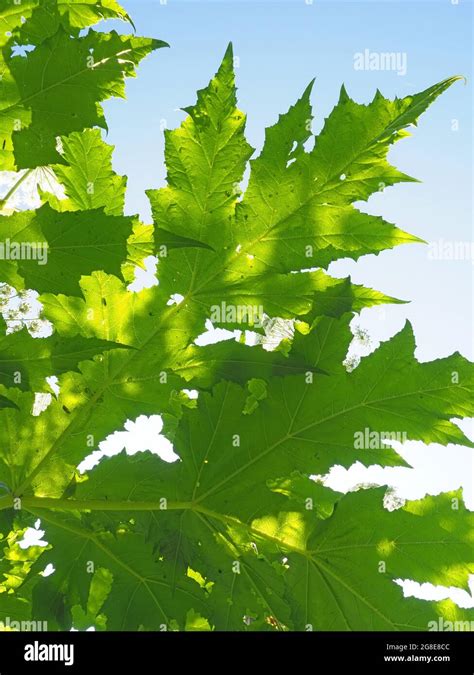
x,y
84,652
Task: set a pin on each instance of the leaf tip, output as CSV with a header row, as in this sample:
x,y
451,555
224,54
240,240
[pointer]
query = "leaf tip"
x,y
343,95
309,88
159,44
229,54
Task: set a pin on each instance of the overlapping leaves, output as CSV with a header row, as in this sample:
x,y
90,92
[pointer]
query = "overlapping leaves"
x,y
234,535
57,87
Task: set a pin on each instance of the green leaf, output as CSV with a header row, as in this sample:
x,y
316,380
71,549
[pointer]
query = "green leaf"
x,y
206,159
32,21
350,561
100,587
235,534
6,403
305,226
70,244
324,587
57,88
359,137
26,361
88,178
282,224
146,597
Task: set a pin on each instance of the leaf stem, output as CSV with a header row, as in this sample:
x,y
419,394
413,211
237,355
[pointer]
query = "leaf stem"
x,y
7,502
15,187
35,503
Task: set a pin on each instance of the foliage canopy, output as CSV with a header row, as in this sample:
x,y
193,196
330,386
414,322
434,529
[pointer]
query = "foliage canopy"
x,y
235,535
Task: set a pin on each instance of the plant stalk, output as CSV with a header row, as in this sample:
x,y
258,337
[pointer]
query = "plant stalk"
x,y
15,187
